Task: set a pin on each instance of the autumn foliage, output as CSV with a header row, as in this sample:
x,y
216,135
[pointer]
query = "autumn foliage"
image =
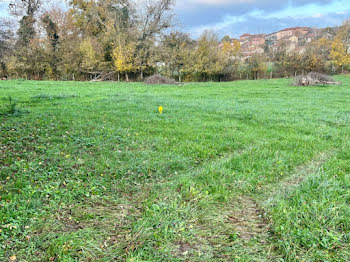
x,y
128,40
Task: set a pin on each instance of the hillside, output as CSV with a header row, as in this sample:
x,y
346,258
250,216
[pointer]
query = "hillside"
x,y
294,39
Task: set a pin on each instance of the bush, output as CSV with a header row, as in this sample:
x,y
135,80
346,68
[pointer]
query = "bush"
x,y
159,80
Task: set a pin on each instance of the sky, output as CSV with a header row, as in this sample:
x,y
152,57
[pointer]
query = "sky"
x,y
236,17
3,9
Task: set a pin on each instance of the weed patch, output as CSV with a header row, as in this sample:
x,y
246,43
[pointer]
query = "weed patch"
x,y
8,107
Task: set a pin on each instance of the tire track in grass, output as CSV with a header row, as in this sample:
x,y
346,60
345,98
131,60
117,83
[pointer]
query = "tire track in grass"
x,y
184,249
135,240
300,174
216,230
241,229
248,219
251,221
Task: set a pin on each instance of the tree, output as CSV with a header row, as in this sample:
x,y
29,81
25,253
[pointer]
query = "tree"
x,y
226,38
94,18
207,61
257,65
89,56
174,49
26,34
105,24
51,31
27,9
153,17
26,31
230,52
124,60
24,7
67,49
339,51
339,54
231,49
323,48
53,37
6,43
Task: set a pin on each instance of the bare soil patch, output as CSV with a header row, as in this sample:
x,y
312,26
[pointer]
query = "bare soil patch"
x,y
249,220
160,80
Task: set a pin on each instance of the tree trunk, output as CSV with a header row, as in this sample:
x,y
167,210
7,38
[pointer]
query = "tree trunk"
x,y
271,75
342,69
118,76
126,77
141,73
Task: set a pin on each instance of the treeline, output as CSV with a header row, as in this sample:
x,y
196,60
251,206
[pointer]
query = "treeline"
x,y
130,39
88,40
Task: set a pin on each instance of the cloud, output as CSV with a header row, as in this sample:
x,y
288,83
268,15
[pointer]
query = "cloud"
x,y
238,16
243,6
235,17
253,24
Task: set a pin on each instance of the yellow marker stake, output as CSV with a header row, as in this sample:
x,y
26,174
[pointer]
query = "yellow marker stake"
x,y
160,109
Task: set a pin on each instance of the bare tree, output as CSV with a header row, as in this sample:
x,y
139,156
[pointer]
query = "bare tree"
x,y
153,16
24,7
6,42
27,10
6,36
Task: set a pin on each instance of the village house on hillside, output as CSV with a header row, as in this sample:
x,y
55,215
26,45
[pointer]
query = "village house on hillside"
x,y
252,44
245,37
292,39
293,31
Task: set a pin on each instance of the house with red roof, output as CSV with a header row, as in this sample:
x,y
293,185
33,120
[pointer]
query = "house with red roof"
x,y
293,31
244,37
291,38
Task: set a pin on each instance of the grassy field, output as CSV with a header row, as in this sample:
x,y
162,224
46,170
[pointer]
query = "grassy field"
x,y
241,171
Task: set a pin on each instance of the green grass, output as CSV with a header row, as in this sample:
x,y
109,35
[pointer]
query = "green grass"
x,y
241,171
